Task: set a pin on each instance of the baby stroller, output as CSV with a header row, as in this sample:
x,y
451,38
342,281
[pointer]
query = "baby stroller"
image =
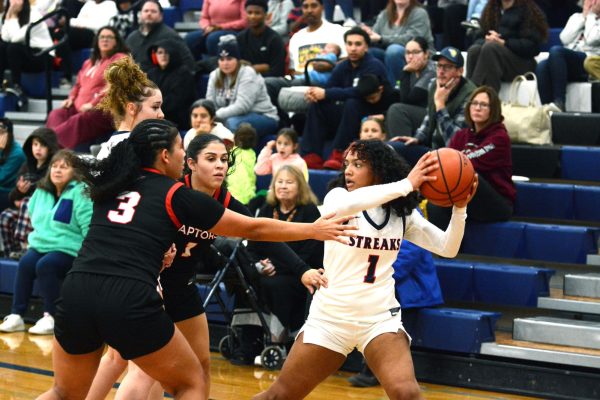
x,y
238,269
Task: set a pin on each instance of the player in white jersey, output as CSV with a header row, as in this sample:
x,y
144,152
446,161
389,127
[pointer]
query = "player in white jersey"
x,y
357,307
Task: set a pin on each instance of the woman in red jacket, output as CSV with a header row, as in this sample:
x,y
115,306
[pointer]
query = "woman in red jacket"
x,y
487,145
78,121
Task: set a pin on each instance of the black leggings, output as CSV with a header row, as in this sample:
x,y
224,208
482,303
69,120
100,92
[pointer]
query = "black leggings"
x,y
20,60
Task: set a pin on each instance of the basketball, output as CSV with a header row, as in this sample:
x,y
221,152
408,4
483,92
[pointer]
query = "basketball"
x,y
454,178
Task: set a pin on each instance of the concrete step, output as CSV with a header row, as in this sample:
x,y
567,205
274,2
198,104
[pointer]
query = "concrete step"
x,y
39,105
21,131
584,285
542,355
577,306
187,26
26,116
593,259
558,331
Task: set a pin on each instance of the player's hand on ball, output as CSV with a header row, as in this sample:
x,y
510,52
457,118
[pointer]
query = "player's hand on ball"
x,y
463,203
313,279
420,172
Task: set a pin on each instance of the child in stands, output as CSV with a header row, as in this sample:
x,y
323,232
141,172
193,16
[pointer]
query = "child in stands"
x,y
286,152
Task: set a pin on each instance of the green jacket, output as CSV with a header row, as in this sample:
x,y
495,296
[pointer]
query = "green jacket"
x,y
242,181
60,224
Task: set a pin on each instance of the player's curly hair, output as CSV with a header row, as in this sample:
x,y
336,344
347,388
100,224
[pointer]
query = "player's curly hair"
x,y
387,167
115,174
127,83
534,17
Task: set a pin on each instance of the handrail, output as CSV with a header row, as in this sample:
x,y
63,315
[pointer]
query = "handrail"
x,y
58,12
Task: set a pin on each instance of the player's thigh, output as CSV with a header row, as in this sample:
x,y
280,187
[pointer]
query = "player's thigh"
x,y
195,331
388,356
174,365
74,373
306,366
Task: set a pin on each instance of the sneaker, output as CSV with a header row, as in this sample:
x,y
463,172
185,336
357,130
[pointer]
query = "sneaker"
x,y
335,162
349,23
472,24
12,323
65,84
44,326
363,380
313,161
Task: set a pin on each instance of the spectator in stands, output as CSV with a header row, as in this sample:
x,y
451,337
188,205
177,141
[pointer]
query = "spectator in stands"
x,y
395,26
175,80
152,29
511,34
328,116
15,224
372,127
446,102
280,152
307,44
11,159
260,45
126,21
592,67
486,143
347,9
78,122
15,23
239,93
331,53
202,119
94,15
219,18
241,181
446,16
580,38
60,214
277,17
403,118
289,199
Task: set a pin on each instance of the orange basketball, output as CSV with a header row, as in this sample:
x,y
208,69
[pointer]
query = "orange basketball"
x,y
454,178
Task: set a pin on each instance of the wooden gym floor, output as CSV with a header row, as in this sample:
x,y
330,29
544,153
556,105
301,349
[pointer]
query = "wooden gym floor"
x,y
26,371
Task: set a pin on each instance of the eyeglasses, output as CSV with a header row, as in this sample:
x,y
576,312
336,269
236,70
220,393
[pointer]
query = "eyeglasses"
x,y
479,104
445,67
106,37
413,52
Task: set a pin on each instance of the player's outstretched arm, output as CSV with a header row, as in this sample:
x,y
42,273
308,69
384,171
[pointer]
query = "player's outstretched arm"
x,y
328,227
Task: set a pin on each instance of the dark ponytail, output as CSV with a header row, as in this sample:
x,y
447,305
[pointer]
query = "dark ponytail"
x,y
116,173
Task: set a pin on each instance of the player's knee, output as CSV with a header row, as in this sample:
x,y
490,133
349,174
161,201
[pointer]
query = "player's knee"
x,y
404,391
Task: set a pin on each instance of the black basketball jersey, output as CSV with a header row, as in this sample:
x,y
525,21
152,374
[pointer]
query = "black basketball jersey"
x,y
129,235
193,242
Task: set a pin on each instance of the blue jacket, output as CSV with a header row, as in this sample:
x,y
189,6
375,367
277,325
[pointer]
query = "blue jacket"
x,y
10,169
344,77
416,278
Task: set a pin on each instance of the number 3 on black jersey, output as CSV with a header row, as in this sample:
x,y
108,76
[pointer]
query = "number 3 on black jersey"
x,y
126,208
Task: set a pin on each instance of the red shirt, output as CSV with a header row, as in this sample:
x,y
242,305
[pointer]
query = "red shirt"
x,y
490,152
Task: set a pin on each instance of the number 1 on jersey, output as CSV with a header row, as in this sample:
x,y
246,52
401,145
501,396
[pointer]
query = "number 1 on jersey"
x,y
370,276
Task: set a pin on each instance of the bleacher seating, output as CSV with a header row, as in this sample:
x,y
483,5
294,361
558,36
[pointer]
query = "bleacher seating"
x,y
8,274
580,163
172,15
531,241
492,283
575,129
7,103
536,161
453,329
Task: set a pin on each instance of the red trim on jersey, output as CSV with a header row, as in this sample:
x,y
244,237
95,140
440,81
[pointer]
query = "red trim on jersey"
x,y
227,199
169,206
153,170
217,193
188,180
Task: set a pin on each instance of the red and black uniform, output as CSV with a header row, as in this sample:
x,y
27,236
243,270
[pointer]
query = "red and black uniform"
x,y
182,300
109,296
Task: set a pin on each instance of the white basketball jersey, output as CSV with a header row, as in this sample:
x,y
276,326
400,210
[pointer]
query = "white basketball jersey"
x,y
360,274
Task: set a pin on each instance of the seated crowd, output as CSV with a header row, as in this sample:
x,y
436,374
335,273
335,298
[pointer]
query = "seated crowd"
x,y
379,79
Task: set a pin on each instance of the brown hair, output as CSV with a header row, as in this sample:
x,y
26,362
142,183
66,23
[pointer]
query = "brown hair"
x,y
120,46
305,194
127,83
392,12
534,17
71,159
495,106
220,81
